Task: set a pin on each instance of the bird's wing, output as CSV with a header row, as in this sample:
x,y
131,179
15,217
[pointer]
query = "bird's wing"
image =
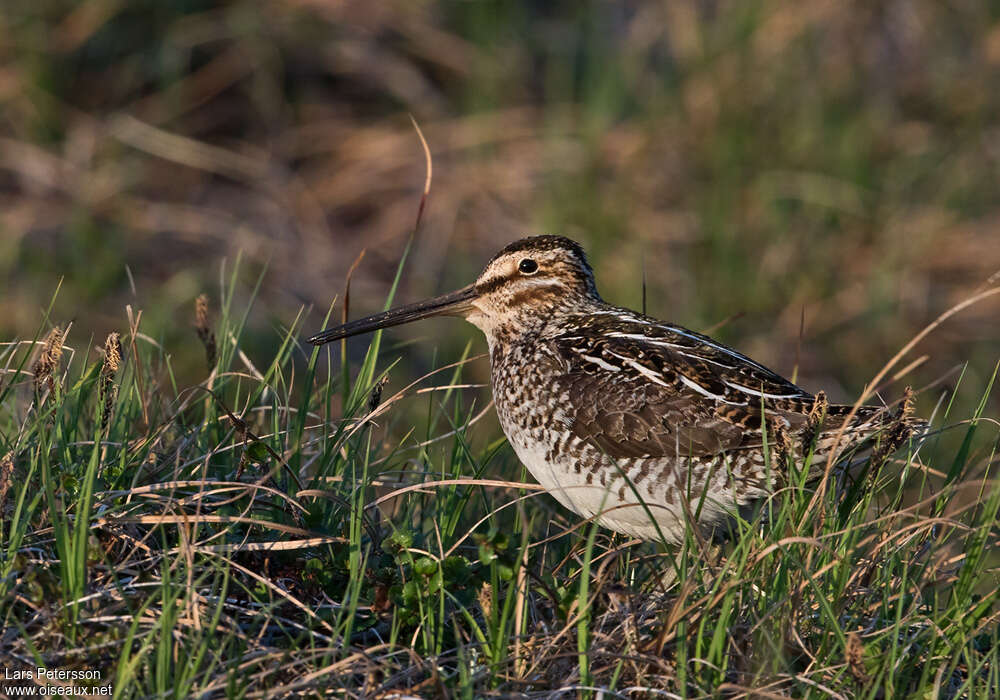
x,y
639,388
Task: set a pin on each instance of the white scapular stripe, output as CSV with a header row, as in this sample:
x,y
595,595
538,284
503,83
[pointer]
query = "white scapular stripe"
x,y
677,349
647,339
697,339
762,394
700,389
601,363
644,371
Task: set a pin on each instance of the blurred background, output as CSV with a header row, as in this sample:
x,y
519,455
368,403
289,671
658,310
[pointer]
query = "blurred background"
x,y
820,178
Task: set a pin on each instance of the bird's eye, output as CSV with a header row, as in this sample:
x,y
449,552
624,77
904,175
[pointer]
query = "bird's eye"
x,y
528,266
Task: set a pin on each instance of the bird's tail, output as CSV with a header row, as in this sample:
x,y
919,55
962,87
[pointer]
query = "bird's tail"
x,y
844,429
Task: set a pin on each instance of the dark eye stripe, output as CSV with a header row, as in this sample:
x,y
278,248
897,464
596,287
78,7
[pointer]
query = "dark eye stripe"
x,y
493,285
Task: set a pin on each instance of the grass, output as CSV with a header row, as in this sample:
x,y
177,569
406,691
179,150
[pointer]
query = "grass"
x,y
275,530
226,512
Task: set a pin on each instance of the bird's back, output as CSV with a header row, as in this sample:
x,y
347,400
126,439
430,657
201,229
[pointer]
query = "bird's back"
x,y
615,412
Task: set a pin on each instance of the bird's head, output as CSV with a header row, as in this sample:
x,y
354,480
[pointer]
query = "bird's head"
x,y
520,289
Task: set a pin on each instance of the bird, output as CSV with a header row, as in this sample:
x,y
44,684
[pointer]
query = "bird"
x,y
644,426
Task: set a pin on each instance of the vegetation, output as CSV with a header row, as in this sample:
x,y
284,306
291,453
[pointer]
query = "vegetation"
x,y
221,511
246,535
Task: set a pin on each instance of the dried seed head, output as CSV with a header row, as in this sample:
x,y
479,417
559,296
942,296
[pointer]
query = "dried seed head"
x,y
901,425
854,651
201,312
205,333
818,411
375,398
112,363
485,596
47,363
112,354
6,477
906,405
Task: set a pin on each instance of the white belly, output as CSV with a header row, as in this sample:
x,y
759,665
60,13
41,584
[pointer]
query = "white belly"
x,y
619,505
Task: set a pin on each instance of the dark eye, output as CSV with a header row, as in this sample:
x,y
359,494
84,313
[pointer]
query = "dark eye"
x,y
528,266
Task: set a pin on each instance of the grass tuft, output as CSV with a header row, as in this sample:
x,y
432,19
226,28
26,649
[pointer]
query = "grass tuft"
x,y
274,531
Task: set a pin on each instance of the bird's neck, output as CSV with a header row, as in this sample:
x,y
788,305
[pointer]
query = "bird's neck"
x,y
530,325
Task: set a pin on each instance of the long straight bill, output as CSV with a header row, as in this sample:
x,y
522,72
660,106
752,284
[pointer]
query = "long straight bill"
x,y
454,304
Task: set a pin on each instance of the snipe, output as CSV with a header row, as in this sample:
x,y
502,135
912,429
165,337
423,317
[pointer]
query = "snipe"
x,y
627,418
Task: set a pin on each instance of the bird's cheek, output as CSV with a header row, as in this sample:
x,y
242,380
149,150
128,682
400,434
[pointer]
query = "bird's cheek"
x,y
477,316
